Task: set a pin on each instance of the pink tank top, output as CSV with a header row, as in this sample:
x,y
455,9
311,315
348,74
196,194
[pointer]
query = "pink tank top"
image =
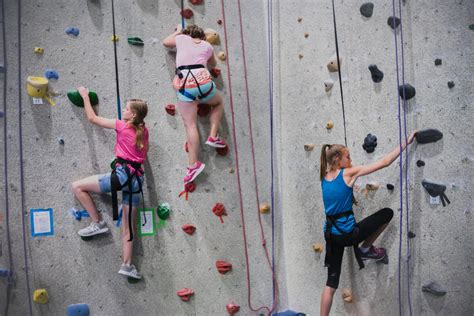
x,y
125,145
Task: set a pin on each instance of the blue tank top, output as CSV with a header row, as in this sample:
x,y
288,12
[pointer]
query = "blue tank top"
x,y
337,198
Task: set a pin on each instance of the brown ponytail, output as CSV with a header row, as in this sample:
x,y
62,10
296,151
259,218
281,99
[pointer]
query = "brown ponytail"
x,y
140,109
329,154
194,31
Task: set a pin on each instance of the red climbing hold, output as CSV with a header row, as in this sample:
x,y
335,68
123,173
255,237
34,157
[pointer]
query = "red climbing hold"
x,y
219,211
187,13
223,151
219,22
215,72
196,2
203,109
185,294
188,229
188,188
223,267
232,308
170,109
186,147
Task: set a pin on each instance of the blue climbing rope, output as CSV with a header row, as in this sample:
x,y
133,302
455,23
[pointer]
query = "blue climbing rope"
x,y
119,111
182,16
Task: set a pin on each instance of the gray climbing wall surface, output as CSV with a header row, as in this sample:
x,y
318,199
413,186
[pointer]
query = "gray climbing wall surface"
x,y
75,271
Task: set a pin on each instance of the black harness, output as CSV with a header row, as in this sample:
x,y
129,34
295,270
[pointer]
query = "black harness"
x,y
331,221
183,91
117,186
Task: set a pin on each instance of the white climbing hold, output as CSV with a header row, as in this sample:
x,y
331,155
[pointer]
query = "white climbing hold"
x,y
212,37
332,64
328,84
221,56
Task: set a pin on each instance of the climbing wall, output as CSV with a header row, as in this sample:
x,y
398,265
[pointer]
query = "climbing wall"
x,y
59,146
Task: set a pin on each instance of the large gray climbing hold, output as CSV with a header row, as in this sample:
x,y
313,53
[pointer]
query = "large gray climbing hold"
x,y
434,288
377,74
393,22
406,91
367,9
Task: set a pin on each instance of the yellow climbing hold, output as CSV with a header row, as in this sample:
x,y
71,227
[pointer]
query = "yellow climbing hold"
x,y
308,147
39,50
114,38
40,296
37,87
329,124
347,295
221,56
318,247
371,186
212,37
264,208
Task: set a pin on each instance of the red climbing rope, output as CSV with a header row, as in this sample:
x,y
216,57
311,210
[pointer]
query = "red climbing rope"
x,y
270,310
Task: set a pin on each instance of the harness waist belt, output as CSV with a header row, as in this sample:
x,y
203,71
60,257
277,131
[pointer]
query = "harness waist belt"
x,y
190,67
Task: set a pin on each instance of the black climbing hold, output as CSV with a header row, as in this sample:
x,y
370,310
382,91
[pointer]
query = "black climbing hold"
x,y
434,288
450,84
370,142
367,9
428,136
435,190
420,163
60,141
438,62
393,22
390,186
471,27
406,91
411,235
377,74
384,260
87,238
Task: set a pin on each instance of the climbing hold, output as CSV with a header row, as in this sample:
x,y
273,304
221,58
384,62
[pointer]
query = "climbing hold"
x,y
163,210
136,41
318,247
471,27
74,31
428,136
5,273
37,87
390,187
40,296
2,114
438,62
114,38
435,190
406,91
289,312
188,188
264,208
231,170
329,124
196,2
204,109
347,295
60,141
187,13
78,310
332,64
39,50
212,37
411,235
232,308
223,151
371,186
215,72
219,210
300,19
300,56
393,22
328,84
377,74
76,99
2,68
185,294
434,288
51,74
219,22
170,109
188,229
367,9
306,34
420,163
223,267
309,147
221,56
450,84
78,215
370,142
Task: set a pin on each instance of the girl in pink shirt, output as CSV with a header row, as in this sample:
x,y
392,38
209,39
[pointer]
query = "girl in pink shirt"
x,y
194,85
130,151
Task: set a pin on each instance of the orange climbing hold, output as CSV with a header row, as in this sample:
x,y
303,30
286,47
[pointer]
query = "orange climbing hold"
x,y
188,188
223,267
219,211
264,208
185,294
318,247
232,308
170,109
187,13
188,229
347,295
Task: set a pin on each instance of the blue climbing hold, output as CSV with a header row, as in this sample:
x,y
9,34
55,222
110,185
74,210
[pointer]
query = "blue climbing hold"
x,y
72,31
78,214
289,312
2,114
5,273
51,74
78,310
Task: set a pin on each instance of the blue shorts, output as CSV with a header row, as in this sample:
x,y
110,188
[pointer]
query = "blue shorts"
x,y
106,187
195,93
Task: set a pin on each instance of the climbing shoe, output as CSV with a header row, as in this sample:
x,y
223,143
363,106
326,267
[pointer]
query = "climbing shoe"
x,y
130,271
94,229
215,142
373,253
194,171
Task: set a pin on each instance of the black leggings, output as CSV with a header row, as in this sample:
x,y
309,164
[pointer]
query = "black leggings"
x,y
367,227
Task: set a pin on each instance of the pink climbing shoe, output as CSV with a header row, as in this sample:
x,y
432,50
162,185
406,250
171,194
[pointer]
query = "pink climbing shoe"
x,y
215,142
194,171
373,253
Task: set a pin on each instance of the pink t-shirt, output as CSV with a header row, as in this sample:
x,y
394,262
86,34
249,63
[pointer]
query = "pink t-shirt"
x,y
125,145
190,53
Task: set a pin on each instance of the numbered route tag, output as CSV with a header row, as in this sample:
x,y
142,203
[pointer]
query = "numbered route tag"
x,y
38,101
146,222
434,200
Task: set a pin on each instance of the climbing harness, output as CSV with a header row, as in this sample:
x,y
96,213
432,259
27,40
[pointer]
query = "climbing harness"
x,y
182,89
119,112
134,170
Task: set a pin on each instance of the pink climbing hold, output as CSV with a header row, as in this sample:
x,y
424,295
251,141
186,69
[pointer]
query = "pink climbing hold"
x,y
203,109
185,294
219,211
170,109
215,72
223,267
188,229
187,13
232,308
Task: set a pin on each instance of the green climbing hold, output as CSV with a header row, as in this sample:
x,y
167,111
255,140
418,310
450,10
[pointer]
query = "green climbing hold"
x,y
163,211
137,41
76,99
471,27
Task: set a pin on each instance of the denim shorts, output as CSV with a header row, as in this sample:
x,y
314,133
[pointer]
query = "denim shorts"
x,y
105,186
195,92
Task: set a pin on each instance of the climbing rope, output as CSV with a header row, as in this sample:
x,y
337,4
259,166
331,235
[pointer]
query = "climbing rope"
x,y
182,15
22,181
114,39
339,72
269,310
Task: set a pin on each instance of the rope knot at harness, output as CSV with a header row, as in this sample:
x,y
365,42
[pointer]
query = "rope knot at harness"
x,y
219,211
188,188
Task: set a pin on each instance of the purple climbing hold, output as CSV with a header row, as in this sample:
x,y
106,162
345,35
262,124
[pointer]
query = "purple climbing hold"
x,y
393,22
51,74
438,62
420,163
370,142
74,31
367,9
450,84
377,74
406,91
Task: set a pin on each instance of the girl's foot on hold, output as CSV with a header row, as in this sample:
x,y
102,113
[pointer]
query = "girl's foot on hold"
x,y
93,229
372,253
130,271
215,142
194,171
